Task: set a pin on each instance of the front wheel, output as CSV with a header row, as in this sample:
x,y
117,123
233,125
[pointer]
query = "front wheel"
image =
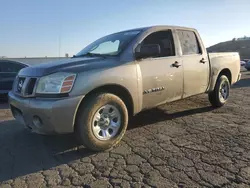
x,y
101,122
218,97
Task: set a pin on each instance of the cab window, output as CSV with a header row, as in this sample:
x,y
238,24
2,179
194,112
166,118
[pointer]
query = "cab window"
x,y
7,66
189,42
164,39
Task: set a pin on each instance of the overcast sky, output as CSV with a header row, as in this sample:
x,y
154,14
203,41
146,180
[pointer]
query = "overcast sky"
x,y
33,28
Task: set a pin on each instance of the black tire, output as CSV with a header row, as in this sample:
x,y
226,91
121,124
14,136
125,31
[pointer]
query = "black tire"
x,y
84,131
214,96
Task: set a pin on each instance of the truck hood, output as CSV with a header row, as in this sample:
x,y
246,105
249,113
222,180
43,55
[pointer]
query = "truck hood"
x,y
69,65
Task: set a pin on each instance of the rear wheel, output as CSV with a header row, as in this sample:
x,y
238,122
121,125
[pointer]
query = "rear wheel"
x,y
102,122
218,97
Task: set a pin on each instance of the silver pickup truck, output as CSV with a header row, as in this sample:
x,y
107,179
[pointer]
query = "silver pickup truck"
x,y
93,93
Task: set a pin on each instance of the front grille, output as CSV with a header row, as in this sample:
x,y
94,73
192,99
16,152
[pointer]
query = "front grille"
x,y
25,86
20,83
31,86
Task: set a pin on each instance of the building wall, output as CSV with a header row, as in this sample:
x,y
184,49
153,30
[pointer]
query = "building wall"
x,y
35,60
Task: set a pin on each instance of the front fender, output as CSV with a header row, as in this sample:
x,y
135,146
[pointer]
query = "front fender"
x,y
123,75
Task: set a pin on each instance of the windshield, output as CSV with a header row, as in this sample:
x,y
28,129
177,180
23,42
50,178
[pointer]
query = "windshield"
x,y
109,45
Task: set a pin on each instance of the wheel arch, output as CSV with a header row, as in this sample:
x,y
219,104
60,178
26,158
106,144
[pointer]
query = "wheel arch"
x,y
215,77
115,89
227,73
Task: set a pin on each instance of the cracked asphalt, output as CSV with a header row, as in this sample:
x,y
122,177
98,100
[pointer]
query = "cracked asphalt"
x,y
183,144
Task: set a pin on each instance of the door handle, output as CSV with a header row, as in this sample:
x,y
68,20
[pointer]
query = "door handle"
x,y
176,64
203,61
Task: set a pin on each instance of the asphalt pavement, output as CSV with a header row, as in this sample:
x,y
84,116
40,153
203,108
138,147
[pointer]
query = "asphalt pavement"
x,y
183,144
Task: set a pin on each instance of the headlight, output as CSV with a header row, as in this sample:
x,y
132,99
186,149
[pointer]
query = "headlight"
x,y
60,82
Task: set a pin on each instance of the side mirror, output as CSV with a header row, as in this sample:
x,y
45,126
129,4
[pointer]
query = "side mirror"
x,y
150,50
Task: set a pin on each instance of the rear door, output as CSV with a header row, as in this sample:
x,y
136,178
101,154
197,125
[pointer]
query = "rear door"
x,y
8,72
195,63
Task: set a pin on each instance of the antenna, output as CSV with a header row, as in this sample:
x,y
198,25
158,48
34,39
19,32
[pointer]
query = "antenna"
x,y
59,47
59,41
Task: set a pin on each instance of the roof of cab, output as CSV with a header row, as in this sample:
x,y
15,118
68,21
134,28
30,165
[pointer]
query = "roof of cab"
x,y
159,27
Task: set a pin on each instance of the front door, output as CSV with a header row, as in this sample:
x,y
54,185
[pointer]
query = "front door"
x,y
195,64
162,76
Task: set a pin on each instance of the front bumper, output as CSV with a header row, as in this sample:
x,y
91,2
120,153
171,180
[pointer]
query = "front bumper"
x,y
239,77
45,115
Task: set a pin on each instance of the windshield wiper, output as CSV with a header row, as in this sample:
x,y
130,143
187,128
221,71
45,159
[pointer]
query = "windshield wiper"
x,y
83,55
92,55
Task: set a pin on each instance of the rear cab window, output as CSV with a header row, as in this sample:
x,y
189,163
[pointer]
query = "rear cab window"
x,y
189,42
10,67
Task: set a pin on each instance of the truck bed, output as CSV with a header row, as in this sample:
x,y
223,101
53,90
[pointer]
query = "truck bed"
x,y
222,61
